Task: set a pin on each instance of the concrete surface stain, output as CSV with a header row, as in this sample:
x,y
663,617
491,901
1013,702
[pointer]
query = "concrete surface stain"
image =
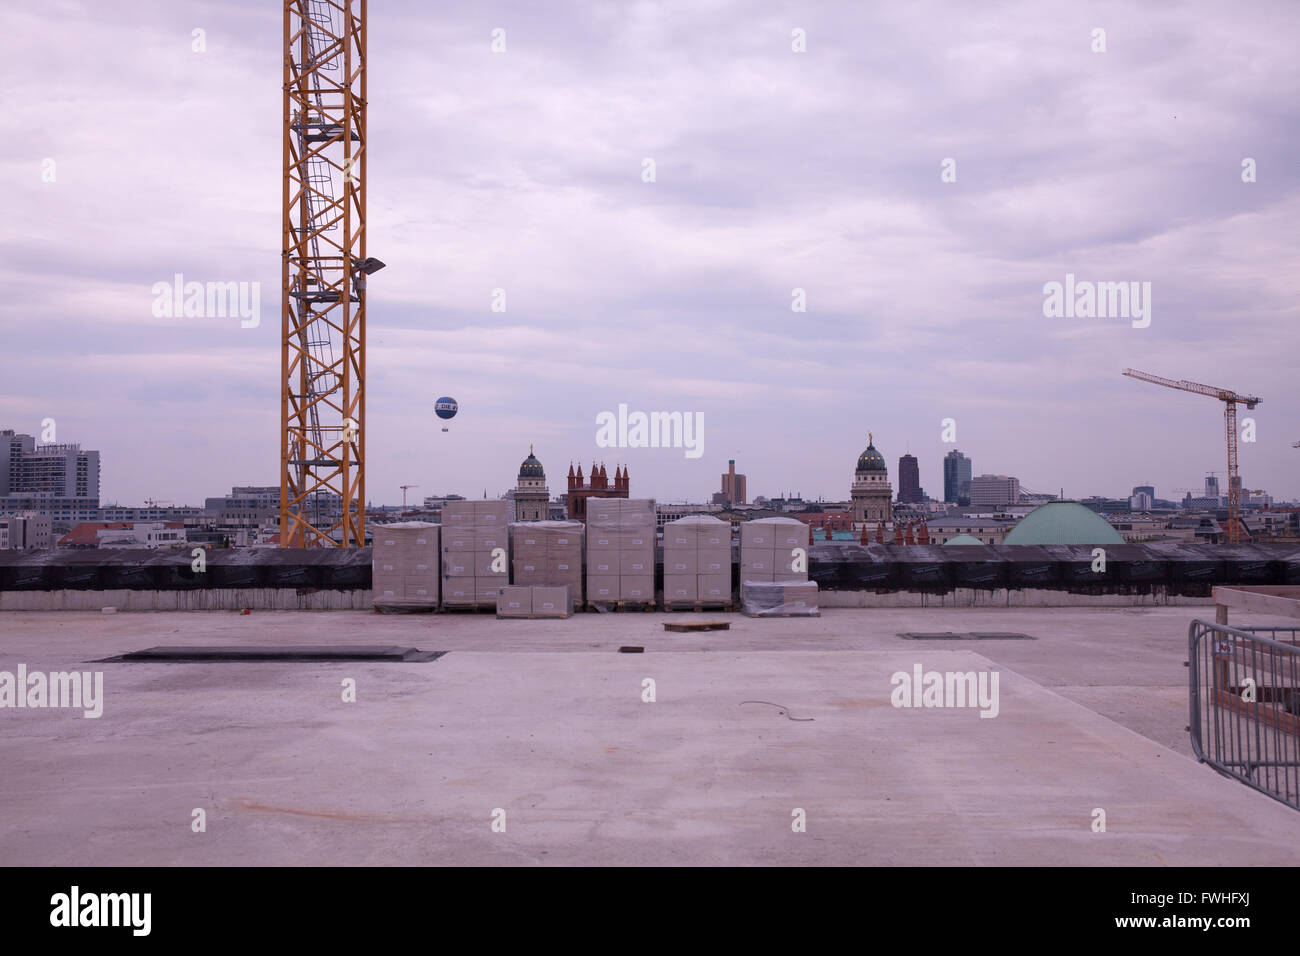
x,y
246,804
857,703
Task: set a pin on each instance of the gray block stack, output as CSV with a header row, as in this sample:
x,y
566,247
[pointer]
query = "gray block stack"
x,y
767,549
405,565
620,550
475,552
548,554
697,561
534,601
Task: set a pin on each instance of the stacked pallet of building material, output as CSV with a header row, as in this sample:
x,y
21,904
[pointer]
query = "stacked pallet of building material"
x,y
620,551
697,561
534,601
475,552
548,554
773,551
404,566
779,598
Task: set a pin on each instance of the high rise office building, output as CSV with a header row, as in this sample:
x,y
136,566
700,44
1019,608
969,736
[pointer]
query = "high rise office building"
x,y
909,480
58,480
956,478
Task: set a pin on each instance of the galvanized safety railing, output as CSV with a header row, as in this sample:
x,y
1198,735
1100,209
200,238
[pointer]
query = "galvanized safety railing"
x,y
1245,704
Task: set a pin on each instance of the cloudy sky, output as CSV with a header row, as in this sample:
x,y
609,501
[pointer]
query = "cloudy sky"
x,y
774,170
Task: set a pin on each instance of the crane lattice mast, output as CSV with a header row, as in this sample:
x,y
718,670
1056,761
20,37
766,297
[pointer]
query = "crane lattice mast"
x,y
323,302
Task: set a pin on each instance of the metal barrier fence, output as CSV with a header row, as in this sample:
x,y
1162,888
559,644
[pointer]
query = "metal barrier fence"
x,y
1245,705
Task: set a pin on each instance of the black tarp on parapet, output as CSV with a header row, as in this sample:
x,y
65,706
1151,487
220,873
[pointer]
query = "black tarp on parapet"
x,y
921,567
1183,569
1197,569
1289,565
846,566
1138,567
141,569
1031,566
1083,569
976,566
1248,564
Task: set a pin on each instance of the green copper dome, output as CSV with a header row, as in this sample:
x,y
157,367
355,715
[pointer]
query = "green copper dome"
x,y
1063,522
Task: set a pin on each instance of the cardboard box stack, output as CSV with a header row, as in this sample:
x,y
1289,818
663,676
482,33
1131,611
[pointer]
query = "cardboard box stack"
x,y
620,550
475,552
404,565
548,553
697,561
534,601
770,553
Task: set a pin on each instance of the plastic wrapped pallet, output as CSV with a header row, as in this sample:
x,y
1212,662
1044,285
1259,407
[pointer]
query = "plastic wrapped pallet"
x,y
779,598
697,561
770,550
620,550
475,552
547,554
405,564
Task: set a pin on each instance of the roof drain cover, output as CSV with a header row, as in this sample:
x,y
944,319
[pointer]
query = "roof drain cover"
x,y
287,653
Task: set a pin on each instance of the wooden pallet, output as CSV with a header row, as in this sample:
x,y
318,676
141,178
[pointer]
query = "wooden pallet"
x,y
470,608
622,605
699,606
533,617
397,607
685,626
816,613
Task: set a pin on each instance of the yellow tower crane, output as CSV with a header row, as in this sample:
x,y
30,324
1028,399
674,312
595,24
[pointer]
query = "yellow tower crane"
x,y
1230,401
324,269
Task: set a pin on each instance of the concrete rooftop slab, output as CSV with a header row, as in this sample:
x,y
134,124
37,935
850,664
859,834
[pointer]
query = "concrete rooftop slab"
x,y
544,720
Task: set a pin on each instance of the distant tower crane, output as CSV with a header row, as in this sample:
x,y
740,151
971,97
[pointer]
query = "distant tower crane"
x,y
404,487
323,272
1230,401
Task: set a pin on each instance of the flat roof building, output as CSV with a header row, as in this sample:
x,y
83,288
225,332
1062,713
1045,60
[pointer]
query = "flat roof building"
x,y
994,491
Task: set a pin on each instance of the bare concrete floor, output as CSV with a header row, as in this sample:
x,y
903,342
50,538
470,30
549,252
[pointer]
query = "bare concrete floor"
x,y
545,721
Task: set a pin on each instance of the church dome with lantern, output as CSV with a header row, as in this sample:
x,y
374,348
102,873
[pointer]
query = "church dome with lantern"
x,y
870,460
531,468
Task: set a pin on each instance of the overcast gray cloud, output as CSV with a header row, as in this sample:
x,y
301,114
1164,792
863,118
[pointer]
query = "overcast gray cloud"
x,y
774,170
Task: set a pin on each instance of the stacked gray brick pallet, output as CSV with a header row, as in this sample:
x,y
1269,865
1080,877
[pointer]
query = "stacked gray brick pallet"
x,y
405,566
534,601
697,561
774,568
548,554
620,551
475,552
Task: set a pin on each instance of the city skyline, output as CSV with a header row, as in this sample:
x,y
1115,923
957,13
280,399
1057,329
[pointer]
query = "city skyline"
x,y
924,298
494,491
